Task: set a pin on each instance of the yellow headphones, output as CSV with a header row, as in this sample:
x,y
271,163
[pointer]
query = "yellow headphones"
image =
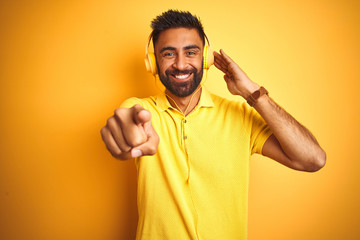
x,y
150,61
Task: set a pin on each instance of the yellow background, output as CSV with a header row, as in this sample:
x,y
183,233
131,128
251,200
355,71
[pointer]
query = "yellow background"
x,y
65,65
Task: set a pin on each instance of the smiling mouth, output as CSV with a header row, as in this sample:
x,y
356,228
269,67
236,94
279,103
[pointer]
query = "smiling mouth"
x,y
182,76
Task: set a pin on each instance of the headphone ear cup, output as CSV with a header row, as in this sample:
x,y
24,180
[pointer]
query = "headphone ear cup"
x,y
150,63
208,57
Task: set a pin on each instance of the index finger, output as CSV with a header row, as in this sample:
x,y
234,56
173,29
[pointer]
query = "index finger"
x,y
218,57
220,62
140,114
225,56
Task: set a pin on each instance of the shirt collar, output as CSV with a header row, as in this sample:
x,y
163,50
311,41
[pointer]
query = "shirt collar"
x,y
205,100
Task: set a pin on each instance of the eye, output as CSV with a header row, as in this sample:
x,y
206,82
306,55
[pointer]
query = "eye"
x,y
192,53
168,54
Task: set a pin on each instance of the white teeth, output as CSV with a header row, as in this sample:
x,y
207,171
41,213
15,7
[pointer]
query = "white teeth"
x,y
182,76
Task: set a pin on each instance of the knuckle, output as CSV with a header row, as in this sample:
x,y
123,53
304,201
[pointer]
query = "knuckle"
x,y
137,140
110,121
136,106
117,155
119,112
102,131
121,157
124,147
152,149
157,141
116,152
157,138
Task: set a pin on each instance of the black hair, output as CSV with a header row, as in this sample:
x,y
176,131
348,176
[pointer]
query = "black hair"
x,y
176,19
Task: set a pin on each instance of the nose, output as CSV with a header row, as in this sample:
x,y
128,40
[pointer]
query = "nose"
x,y
180,62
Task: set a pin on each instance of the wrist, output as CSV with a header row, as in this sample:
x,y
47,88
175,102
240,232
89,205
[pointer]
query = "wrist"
x,y
247,91
252,100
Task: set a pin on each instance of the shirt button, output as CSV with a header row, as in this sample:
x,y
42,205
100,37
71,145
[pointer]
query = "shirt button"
x,y
185,121
185,137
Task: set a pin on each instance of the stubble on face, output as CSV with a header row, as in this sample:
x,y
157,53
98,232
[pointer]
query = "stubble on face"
x,y
182,76
181,89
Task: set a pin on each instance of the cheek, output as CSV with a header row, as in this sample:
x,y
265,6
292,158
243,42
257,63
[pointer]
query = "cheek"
x,y
199,60
198,63
164,65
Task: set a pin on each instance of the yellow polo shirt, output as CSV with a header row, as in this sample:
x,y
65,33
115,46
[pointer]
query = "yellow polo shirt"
x,y
196,185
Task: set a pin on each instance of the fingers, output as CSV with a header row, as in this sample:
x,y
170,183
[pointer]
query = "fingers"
x,y
117,135
140,114
227,73
129,133
223,58
219,66
221,63
111,144
149,147
226,57
130,125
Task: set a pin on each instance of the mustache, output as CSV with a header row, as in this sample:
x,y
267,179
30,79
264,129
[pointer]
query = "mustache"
x,y
179,72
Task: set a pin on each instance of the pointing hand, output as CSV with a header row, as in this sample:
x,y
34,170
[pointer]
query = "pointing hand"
x,y
129,133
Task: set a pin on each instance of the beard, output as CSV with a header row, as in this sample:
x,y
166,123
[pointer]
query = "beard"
x,y
181,89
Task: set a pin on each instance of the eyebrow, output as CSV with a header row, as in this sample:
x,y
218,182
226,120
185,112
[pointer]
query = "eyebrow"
x,y
167,48
192,47
185,48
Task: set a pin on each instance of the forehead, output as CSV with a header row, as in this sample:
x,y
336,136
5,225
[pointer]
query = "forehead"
x,y
178,38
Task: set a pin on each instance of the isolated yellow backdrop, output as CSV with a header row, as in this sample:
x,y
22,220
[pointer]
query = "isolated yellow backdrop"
x,y
66,65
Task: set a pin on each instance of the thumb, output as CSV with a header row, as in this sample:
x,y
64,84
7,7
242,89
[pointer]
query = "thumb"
x,y
140,115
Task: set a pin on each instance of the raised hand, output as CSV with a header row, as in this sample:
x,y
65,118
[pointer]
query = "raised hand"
x,y
129,133
237,81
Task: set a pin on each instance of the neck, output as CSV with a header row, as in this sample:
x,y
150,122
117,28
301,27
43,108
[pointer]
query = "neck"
x,y
184,104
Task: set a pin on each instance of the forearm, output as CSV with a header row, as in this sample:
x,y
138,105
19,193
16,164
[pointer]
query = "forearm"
x,y
297,143
292,144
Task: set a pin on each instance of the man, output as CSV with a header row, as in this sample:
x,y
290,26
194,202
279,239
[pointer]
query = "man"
x,y
192,148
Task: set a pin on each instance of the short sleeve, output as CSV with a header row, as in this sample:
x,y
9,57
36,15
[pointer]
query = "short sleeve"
x,y
259,133
130,102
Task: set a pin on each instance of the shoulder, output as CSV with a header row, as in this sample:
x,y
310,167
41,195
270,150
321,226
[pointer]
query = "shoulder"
x,y
144,102
237,110
149,103
227,105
